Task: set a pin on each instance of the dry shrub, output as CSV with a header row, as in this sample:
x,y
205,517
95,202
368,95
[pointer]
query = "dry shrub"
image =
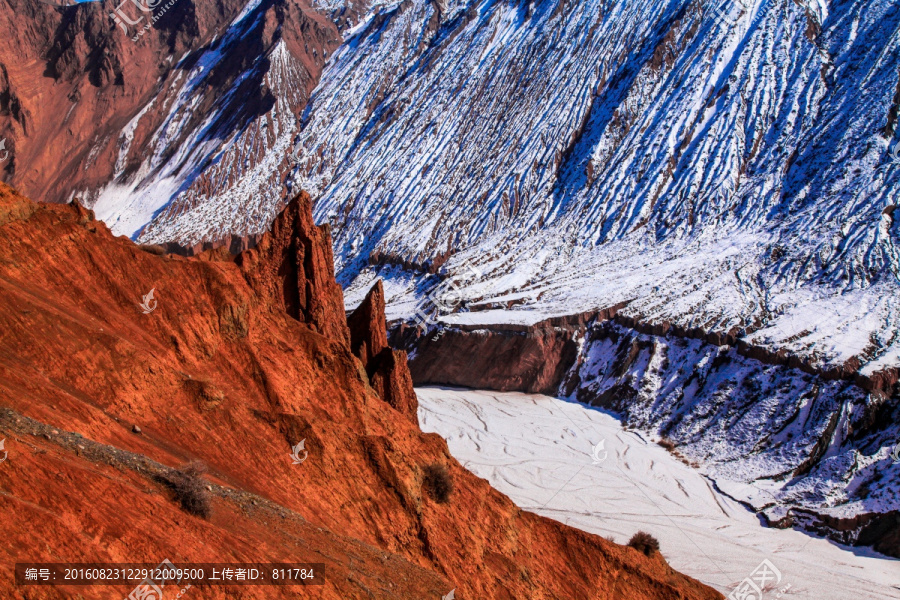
x,y
644,542
667,444
190,489
437,483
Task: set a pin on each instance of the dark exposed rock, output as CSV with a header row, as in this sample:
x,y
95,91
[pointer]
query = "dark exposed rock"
x,y
510,357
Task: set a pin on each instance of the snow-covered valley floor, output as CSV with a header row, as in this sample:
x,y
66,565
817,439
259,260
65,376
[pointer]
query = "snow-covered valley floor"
x,y
540,452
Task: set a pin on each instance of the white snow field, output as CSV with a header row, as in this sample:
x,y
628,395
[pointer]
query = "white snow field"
x,y
539,451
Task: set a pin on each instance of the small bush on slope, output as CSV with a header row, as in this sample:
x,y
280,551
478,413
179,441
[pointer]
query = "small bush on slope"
x,y
437,483
190,489
644,542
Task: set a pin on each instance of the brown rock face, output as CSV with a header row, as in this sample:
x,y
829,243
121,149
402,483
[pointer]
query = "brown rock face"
x,y
532,359
368,332
214,368
393,382
71,82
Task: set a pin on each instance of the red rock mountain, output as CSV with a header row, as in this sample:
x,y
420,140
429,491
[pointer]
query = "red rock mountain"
x,y
240,359
82,104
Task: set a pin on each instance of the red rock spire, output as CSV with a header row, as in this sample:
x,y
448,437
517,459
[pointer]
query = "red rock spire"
x,y
386,368
294,265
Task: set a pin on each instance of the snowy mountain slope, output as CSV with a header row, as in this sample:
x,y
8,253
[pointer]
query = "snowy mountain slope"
x,y
563,147
733,176
713,285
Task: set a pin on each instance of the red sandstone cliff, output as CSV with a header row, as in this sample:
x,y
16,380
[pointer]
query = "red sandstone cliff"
x,y
293,268
507,357
240,360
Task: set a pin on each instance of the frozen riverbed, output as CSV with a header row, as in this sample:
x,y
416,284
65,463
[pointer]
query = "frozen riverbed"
x,y
543,453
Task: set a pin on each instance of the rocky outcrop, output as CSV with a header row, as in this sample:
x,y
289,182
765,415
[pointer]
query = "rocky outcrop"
x,y
387,368
392,380
368,331
105,388
293,266
536,358
497,358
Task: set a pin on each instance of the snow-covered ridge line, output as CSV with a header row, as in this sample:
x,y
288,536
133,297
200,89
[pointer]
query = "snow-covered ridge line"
x,y
881,382
712,285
